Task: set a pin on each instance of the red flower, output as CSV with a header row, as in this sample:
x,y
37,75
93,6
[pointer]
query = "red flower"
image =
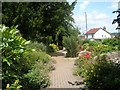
x,y
87,54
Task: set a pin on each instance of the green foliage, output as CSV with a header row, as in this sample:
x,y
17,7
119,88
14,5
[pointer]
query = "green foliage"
x,y
15,85
101,48
99,74
37,20
23,66
47,40
37,46
40,65
38,76
13,47
34,56
97,47
113,42
90,45
52,48
94,43
103,75
71,45
79,69
82,66
73,31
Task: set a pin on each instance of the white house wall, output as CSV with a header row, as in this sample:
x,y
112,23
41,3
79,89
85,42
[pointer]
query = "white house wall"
x,y
101,34
90,36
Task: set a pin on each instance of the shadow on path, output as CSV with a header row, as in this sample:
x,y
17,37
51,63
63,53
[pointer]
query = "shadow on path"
x,y
62,76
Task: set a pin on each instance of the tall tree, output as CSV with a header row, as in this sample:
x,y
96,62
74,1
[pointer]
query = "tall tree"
x,y
43,21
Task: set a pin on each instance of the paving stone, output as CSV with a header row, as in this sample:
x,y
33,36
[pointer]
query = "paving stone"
x,y
63,73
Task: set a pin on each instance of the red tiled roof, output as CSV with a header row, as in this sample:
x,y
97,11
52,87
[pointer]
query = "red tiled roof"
x,y
92,31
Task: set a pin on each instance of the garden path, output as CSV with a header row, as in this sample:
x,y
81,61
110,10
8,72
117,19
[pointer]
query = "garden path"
x,y
62,76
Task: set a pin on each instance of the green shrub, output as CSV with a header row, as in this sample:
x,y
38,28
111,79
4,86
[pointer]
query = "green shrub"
x,y
82,66
101,48
111,41
99,74
15,85
22,67
78,63
97,47
89,45
103,75
47,40
40,65
13,47
85,46
86,41
72,46
34,56
52,48
38,76
37,46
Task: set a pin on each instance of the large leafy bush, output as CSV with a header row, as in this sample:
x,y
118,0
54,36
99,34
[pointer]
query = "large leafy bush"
x,y
38,76
113,42
71,44
38,56
99,73
40,64
98,48
103,74
13,47
81,68
37,46
52,48
23,66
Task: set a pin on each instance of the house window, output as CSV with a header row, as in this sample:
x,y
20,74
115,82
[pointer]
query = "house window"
x,y
102,35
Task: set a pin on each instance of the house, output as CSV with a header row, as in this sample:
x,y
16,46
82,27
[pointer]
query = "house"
x,y
97,34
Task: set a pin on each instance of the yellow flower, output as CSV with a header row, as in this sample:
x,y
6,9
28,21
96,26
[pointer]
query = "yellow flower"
x,y
8,85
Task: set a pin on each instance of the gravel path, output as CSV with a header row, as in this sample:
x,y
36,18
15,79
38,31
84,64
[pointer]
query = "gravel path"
x,y
62,76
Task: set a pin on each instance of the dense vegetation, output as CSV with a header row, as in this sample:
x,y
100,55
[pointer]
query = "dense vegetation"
x,y
100,72
45,22
30,31
23,66
45,27
72,42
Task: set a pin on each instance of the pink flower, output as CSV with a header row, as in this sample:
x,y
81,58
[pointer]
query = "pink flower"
x,y
85,54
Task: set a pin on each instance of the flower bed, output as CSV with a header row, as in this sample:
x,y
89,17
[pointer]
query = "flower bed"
x,y
100,72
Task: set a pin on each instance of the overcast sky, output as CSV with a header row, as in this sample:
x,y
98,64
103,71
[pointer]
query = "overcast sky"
x,y
99,14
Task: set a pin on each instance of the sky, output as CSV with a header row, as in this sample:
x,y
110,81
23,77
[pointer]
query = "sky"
x,y
99,14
